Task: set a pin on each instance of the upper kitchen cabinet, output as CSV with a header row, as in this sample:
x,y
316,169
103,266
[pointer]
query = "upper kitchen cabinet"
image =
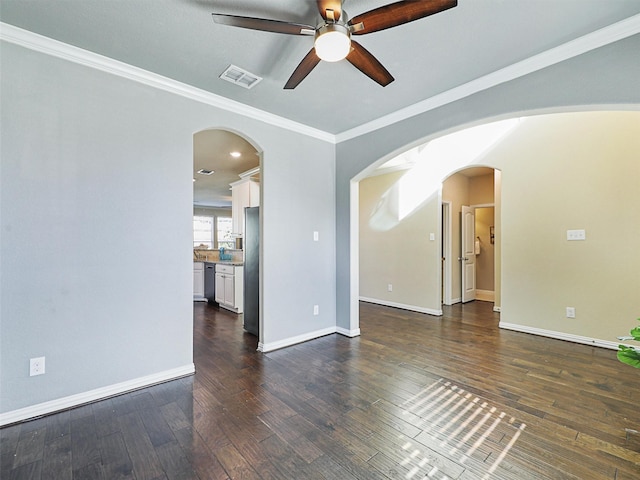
x,y
244,193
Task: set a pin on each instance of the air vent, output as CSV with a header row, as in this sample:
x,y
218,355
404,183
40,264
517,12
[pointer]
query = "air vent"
x,y
240,77
204,171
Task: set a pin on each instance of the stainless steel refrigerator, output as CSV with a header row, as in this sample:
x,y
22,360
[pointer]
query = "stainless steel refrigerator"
x,y
252,270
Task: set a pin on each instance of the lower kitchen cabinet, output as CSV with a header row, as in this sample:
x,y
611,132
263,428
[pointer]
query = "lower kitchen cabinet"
x,y
198,281
229,285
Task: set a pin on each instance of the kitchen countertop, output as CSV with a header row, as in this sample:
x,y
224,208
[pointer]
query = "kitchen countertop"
x,y
222,262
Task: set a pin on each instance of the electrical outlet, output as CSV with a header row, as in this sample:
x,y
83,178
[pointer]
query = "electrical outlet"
x,y
389,288
316,310
571,312
573,235
36,366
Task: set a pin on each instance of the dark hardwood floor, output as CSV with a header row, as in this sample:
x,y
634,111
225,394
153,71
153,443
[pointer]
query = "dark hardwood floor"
x,y
415,397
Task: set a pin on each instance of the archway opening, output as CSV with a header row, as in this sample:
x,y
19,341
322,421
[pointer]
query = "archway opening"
x,y
470,200
403,257
561,173
226,180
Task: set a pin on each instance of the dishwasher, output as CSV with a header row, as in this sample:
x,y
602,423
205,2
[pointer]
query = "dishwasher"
x,y
210,282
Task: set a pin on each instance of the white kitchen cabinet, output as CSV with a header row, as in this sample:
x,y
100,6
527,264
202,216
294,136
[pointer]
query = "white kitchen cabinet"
x,y
229,287
229,290
198,281
244,193
220,288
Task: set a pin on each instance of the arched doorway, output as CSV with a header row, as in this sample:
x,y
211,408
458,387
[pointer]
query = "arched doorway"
x,y
473,189
556,176
226,179
400,214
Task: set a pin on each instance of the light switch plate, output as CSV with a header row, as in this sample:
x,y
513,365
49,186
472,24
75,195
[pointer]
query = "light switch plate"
x,y
573,235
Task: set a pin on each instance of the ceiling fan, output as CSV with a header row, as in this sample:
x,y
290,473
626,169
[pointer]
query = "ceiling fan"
x,y
333,34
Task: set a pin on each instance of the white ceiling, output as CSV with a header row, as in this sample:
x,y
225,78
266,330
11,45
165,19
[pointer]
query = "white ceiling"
x,y
429,57
178,39
212,151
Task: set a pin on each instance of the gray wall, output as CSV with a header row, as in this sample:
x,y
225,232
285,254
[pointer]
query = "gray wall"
x,y
602,78
96,225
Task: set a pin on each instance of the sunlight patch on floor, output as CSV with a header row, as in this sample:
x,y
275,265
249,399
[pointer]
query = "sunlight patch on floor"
x,y
462,423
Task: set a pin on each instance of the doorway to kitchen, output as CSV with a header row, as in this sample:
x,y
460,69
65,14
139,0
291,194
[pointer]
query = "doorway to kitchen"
x,y
226,180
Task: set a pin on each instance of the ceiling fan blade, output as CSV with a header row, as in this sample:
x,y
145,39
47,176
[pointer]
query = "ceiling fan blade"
x,y
307,64
264,24
360,58
398,13
334,5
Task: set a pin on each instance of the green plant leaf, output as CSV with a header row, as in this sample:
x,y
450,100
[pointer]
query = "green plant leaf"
x,y
629,356
635,333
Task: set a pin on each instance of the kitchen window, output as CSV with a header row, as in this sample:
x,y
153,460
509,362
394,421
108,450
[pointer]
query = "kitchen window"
x,y
223,233
212,232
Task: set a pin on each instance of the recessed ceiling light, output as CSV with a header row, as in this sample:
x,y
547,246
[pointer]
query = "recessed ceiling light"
x,y
235,154
204,171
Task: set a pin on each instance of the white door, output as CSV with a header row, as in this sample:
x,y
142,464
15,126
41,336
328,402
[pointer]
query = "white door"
x,y
468,257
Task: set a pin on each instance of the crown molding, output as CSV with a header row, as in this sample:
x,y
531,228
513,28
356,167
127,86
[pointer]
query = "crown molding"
x,y
584,44
599,38
39,43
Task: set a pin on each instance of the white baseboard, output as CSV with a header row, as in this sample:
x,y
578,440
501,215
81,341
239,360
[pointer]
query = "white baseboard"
x,y
348,333
456,300
403,306
287,342
71,401
569,337
485,295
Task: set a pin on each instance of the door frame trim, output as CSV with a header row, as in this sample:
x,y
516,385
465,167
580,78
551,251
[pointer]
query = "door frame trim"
x,y
445,252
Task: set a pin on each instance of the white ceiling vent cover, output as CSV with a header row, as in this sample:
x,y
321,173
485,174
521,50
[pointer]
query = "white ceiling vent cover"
x,y
240,77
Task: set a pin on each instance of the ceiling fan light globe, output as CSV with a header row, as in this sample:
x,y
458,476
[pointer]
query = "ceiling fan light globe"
x,y
332,43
